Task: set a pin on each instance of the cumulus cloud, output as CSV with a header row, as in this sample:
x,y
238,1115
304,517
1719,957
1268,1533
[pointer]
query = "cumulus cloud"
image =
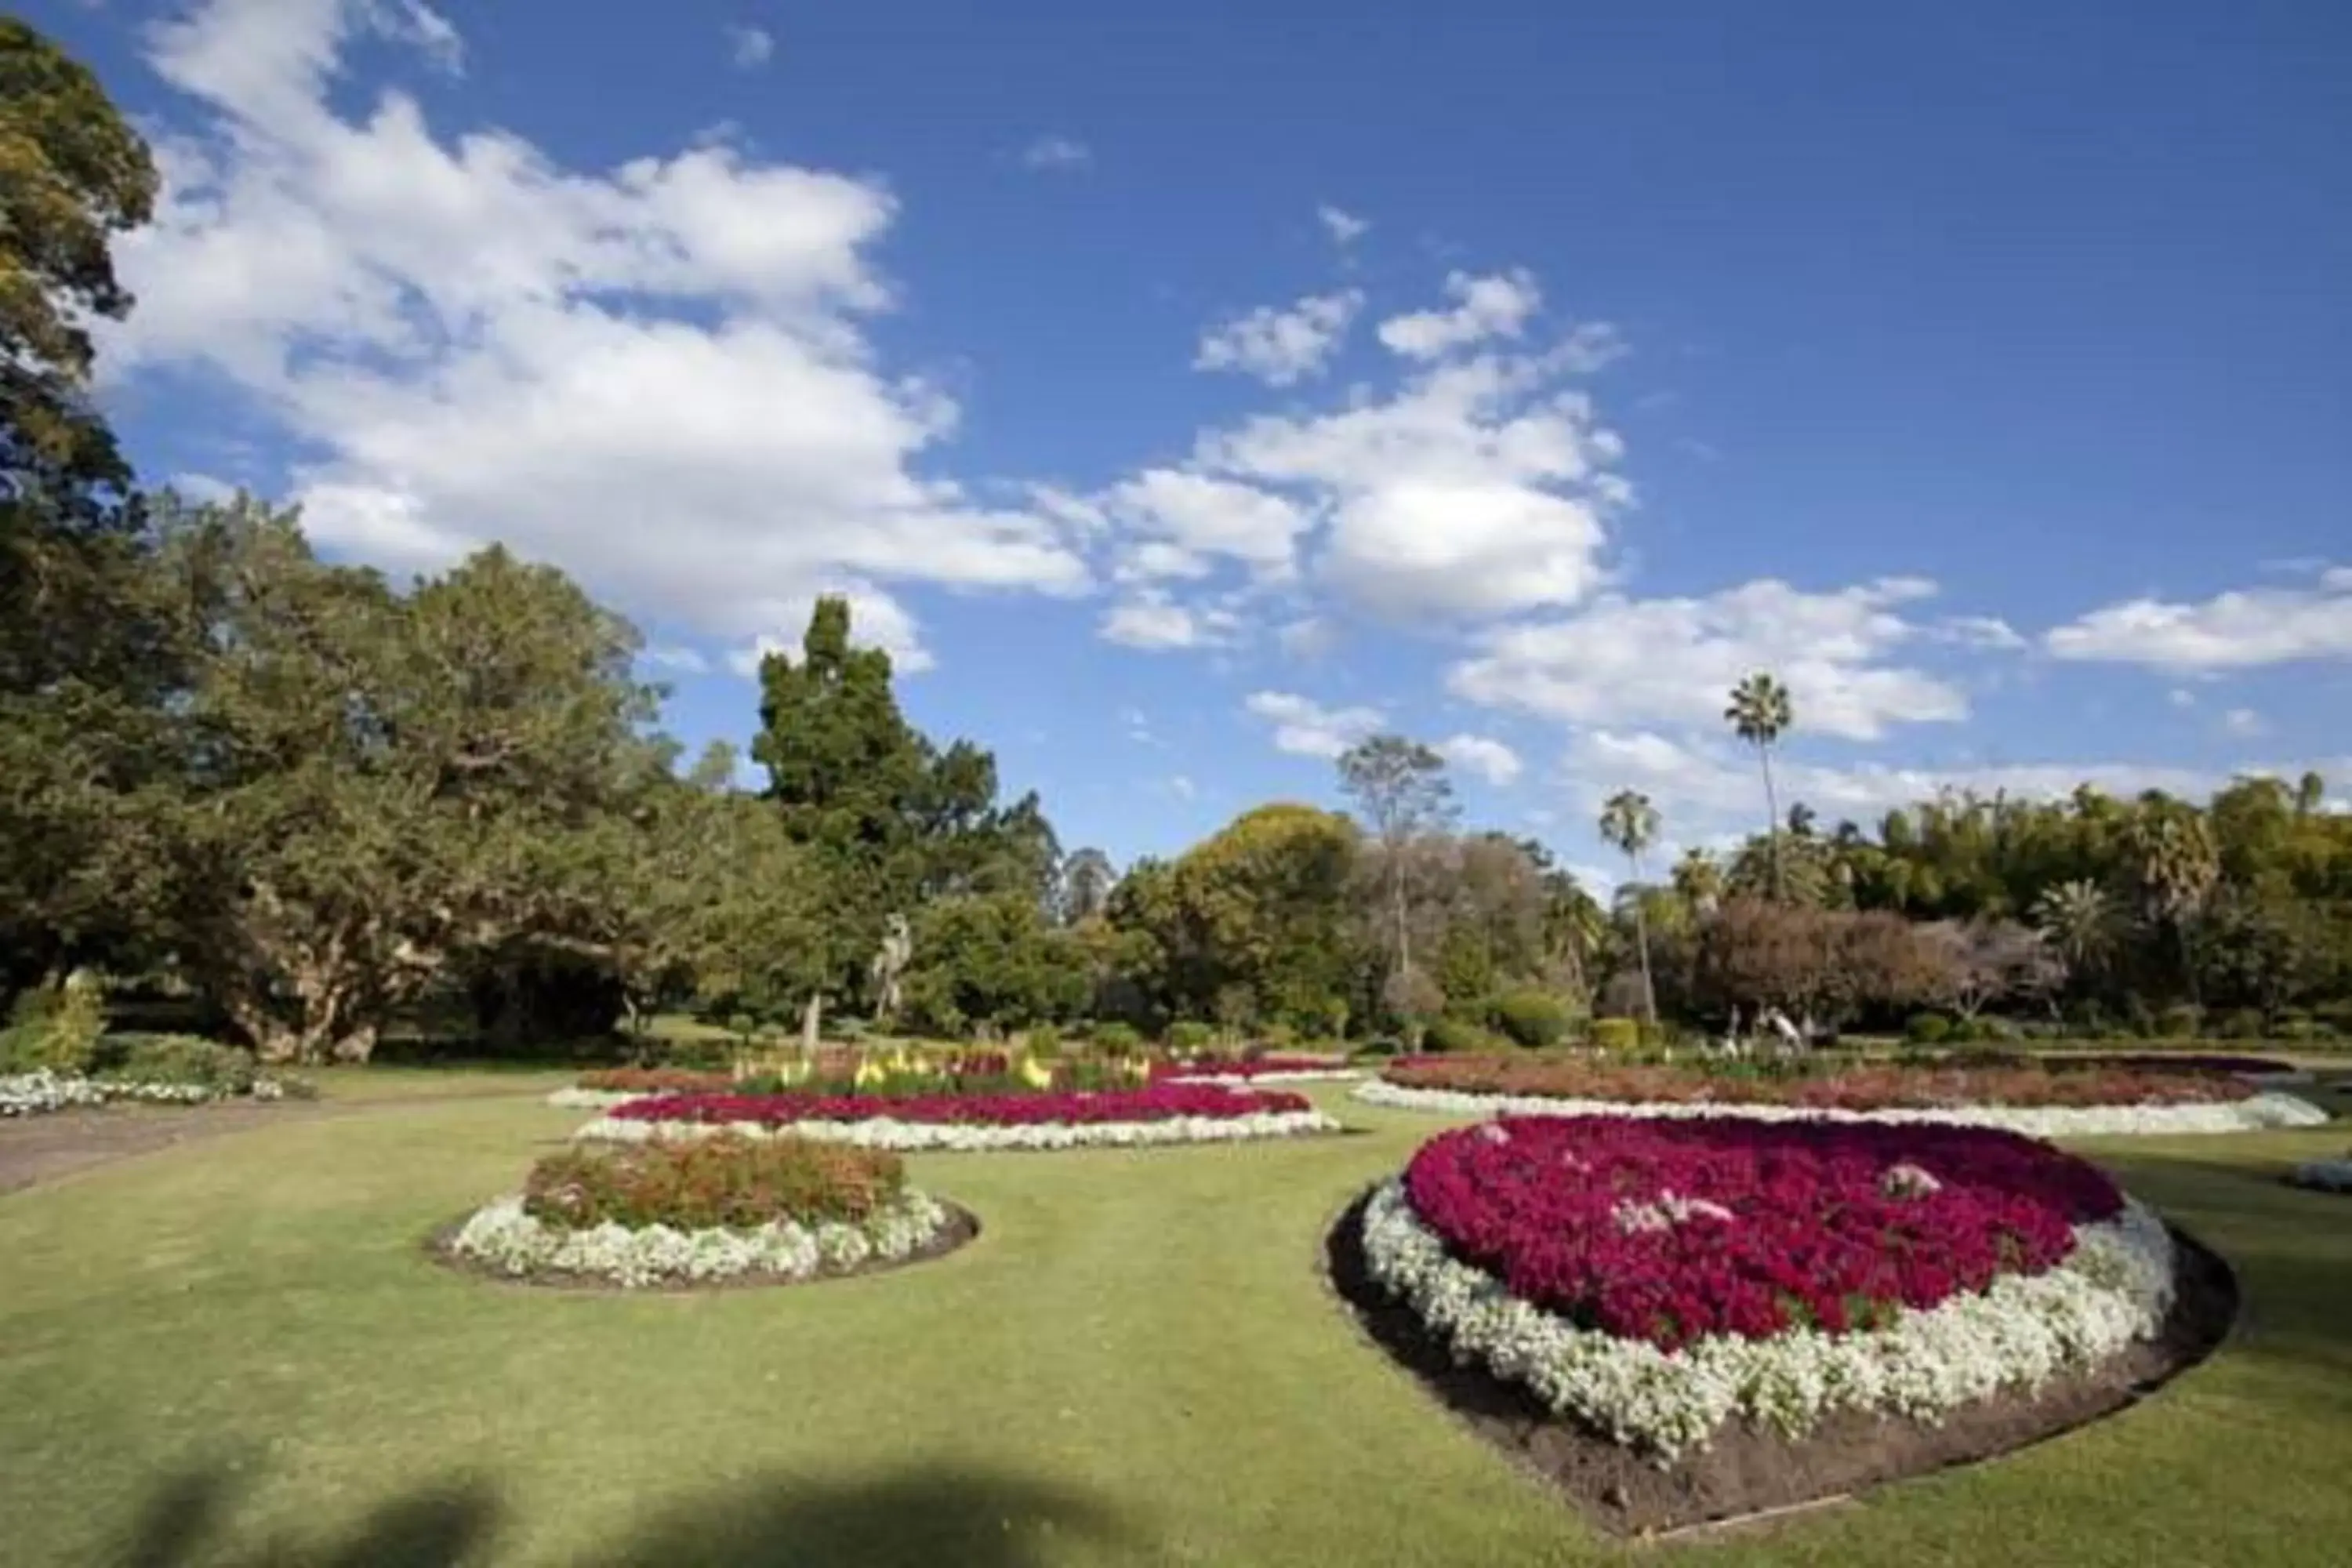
x,y
676,657
2235,630
750,47
2244,724
1344,226
1185,519
1304,728
1488,758
657,375
875,620
1153,622
1056,154
1497,306
1673,660
1281,345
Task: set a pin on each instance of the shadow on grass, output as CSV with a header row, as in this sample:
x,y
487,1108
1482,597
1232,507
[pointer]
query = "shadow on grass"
x,y
921,1515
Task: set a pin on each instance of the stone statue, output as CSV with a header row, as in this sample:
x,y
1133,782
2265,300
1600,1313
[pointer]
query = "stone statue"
x,y
889,963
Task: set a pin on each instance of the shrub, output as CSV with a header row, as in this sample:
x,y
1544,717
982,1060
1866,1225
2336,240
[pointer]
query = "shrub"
x,y
1379,1046
1616,1033
2241,1024
57,1030
1190,1036
1041,1040
1277,1037
1532,1019
705,1053
1449,1034
1927,1028
2180,1021
1116,1040
176,1058
720,1181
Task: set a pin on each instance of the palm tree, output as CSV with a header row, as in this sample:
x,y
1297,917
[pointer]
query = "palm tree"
x,y
1631,823
1699,877
2174,858
1760,713
2077,919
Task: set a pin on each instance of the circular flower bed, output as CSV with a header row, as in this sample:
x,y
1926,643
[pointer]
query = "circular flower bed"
x,y
2041,1099
1163,1113
709,1210
1656,1279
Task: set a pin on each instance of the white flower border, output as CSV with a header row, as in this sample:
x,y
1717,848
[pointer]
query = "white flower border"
x,y
504,1237
2114,1289
1259,1080
2326,1175
43,1091
576,1099
886,1132
2256,1113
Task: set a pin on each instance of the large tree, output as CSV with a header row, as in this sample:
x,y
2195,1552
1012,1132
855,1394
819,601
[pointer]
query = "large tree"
x,y
1401,788
1630,823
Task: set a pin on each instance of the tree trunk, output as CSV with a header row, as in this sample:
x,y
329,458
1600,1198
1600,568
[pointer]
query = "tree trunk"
x,y
812,1021
1772,814
1642,939
1396,895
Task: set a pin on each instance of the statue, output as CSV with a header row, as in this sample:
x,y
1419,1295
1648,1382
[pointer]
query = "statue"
x,y
889,963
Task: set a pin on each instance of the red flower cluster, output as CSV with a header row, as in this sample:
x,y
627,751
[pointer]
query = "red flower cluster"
x,y
1670,1231
1160,1102
1857,1086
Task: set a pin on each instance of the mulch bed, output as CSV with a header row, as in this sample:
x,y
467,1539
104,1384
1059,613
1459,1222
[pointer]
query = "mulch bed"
x,y
55,1143
962,1227
1747,1471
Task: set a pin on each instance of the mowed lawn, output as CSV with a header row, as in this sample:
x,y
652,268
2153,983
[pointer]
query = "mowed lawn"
x,y
236,1351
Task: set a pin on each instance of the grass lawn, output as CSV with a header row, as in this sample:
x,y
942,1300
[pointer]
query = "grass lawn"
x,y
233,1351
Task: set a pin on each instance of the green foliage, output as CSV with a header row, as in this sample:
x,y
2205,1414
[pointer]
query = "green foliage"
x,y
57,1030
1116,1040
994,959
740,1183
1448,1034
1042,1039
176,1058
1532,1019
1617,1035
1190,1036
2180,1021
1926,1028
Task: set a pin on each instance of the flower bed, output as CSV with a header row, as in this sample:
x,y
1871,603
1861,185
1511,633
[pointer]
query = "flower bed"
x,y
1655,1280
713,1210
38,1093
1162,1113
2032,1099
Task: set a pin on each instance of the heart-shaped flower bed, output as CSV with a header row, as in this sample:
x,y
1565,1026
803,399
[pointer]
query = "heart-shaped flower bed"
x,y
1676,1231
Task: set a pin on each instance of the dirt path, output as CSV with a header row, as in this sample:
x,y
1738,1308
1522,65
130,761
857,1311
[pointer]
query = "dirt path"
x,y
35,1149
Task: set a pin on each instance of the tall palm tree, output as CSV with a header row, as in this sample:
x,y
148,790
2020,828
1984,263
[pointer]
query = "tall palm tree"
x,y
1699,877
2078,919
1759,712
1631,823
2174,858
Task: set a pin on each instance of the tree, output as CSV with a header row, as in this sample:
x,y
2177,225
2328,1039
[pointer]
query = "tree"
x,y
2078,919
1760,713
1977,963
1630,823
1399,787
2175,864
1087,878
993,959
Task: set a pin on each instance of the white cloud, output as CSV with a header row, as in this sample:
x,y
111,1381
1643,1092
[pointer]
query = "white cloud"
x,y
1989,632
1497,306
654,375
1705,787
1153,622
1309,636
1489,759
678,657
1182,787
1479,488
1056,154
1674,660
1344,226
2244,724
2234,630
1185,518
2181,696
1304,728
750,47
1280,346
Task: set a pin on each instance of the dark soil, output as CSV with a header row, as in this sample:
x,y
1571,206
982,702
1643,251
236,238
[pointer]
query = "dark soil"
x,y
1748,1471
963,1226
59,1142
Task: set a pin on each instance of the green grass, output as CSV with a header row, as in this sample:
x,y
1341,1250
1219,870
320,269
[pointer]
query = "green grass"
x,y
235,1353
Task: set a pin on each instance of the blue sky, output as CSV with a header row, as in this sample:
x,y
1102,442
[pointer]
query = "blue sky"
x,y
1188,391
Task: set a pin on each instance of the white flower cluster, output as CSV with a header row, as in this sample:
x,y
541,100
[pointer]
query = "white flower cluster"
x,y
2328,1176
37,1093
2250,1115
1670,1210
505,1237
572,1099
1262,1080
884,1132
2114,1289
